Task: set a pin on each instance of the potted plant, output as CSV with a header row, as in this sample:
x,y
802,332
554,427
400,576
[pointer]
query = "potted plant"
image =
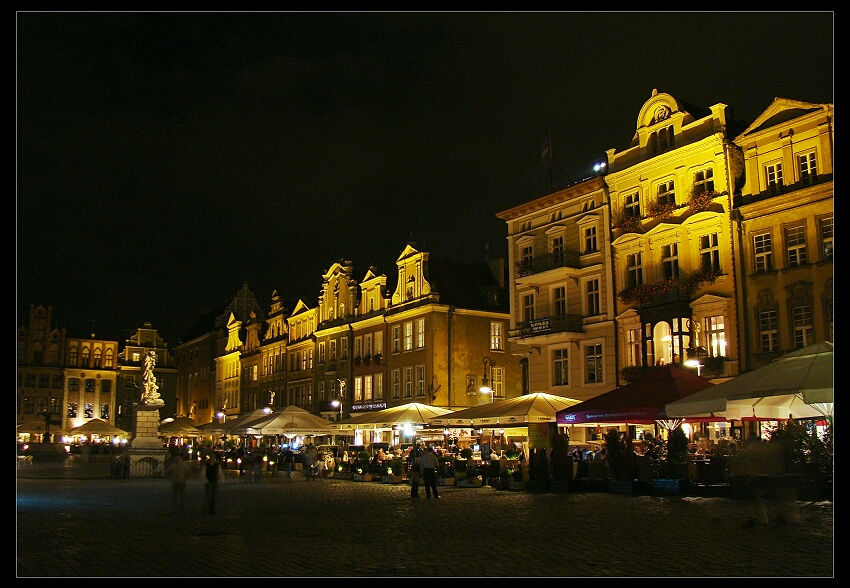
x,y
445,471
391,472
361,469
471,478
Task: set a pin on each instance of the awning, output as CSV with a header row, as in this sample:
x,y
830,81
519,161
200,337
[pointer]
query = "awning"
x,y
640,402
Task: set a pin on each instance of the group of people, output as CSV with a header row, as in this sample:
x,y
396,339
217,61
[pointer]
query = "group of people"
x,y
423,464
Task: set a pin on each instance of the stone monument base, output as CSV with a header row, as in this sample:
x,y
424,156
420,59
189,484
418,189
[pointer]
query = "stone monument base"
x,y
146,453
146,463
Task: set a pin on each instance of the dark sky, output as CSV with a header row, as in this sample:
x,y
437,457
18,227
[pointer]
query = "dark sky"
x,y
166,158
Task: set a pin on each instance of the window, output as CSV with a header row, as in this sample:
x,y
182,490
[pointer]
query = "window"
x,y
795,245
420,380
88,410
379,386
57,382
559,367
367,387
635,346
106,388
30,381
593,364
367,345
358,389
763,253
634,270
558,248
396,383
670,261
408,336
560,298
379,342
808,168
43,380
826,237
309,362
396,338
358,347
408,382
497,336
303,357
709,252
704,181
631,206
527,255
593,297
72,410
715,336
104,412
90,385
322,352
420,333
343,343
768,331
802,320
666,194
498,382
590,245
333,350
528,307
773,178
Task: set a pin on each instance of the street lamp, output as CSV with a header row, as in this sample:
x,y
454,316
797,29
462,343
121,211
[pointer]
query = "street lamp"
x,y
487,379
695,358
339,403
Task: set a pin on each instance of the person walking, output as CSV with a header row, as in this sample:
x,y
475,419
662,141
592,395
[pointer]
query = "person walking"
x,y
414,459
288,460
212,476
178,472
429,472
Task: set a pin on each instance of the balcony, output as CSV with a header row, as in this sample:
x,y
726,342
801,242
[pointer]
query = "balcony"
x,y
568,323
542,263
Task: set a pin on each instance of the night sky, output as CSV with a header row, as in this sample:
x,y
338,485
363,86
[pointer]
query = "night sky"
x,y
163,159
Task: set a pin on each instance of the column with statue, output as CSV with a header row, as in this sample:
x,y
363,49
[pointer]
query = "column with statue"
x,y
147,452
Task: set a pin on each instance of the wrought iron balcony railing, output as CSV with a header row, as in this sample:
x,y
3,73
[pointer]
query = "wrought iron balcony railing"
x,y
568,323
542,263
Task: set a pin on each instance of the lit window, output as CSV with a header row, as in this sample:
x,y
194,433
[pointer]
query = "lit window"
x,y
670,261
795,244
808,168
763,253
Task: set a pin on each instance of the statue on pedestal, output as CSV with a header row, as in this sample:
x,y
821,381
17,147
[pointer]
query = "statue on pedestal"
x,y
150,396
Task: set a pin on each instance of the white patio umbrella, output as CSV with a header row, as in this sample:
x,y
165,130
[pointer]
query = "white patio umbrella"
x,y
230,427
413,413
797,385
538,407
98,427
290,421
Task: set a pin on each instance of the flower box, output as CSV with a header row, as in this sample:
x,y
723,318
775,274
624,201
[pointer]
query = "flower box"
x,y
392,479
362,477
475,483
445,481
516,485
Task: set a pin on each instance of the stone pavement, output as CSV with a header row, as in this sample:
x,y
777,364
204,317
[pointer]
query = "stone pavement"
x,y
100,527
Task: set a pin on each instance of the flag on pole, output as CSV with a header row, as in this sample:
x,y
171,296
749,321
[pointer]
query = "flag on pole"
x,y
546,149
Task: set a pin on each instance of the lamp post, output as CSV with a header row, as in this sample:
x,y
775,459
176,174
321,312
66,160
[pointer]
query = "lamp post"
x,y
487,379
695,358
339,403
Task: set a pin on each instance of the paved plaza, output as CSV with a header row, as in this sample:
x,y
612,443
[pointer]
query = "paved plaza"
x,y
103,527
